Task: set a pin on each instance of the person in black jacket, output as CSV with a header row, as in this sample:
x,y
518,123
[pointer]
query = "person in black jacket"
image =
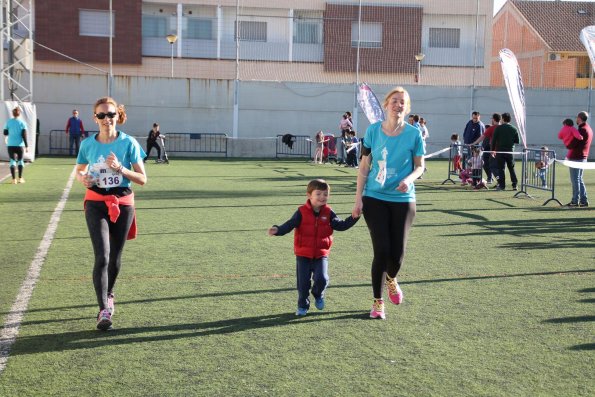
x,y
152,142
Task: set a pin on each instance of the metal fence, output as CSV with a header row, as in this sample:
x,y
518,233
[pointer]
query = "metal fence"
x,y
294,146
539,172
180,142
60,142
175,142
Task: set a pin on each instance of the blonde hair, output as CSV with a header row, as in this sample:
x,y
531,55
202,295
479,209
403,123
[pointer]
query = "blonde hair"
x,y
394,91
120,109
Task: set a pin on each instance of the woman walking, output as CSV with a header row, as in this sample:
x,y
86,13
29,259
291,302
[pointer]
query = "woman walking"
x,y
107,164
392,159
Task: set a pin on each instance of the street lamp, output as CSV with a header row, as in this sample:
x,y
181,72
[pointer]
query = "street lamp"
x,y
419,57
171,39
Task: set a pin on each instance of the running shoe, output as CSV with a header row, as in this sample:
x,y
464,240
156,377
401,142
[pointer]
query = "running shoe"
x,y
394,291
14,181
110,303
21,180
377,309
301,311
104,320
319,303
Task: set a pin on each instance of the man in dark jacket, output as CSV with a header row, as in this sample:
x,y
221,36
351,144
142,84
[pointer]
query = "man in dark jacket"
x,y
505,137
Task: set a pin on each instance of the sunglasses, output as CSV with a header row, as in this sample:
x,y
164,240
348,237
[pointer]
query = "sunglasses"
x,y
102,115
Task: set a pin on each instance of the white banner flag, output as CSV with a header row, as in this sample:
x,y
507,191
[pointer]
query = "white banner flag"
x,y
588,39
369,104
516,93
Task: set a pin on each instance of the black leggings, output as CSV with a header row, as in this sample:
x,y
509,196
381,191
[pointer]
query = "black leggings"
x,y
150,146
389,224
108,242
16,153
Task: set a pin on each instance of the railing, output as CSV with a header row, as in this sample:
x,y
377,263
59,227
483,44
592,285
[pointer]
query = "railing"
x,y
181,142
539,172
60,142
294,145
175,142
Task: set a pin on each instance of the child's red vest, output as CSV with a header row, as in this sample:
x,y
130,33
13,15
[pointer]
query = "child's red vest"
x,y
314,237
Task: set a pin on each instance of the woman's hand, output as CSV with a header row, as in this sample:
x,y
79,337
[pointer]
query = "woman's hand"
x,y
113,162
403,186
356,212
86,179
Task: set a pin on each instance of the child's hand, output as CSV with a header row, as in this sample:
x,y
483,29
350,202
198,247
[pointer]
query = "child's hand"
x,y
273,231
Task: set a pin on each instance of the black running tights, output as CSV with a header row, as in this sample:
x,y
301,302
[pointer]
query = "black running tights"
x,y
389,224
108,242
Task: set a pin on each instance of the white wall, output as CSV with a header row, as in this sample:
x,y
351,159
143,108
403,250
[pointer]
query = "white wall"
x,y
268,109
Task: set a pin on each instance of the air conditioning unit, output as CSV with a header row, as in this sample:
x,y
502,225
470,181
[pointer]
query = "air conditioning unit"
x,y
554,57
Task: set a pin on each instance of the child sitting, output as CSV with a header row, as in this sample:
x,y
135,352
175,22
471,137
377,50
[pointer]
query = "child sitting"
x,y
568,132
314,223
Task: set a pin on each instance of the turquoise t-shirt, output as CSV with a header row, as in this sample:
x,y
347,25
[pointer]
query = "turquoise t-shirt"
x,y
94,153
15,129
391,162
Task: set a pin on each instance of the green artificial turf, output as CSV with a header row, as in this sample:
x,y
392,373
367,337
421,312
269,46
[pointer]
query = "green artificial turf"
x,y
498,291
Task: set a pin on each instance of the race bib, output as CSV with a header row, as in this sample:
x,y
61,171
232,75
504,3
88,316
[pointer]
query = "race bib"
x,y
104,176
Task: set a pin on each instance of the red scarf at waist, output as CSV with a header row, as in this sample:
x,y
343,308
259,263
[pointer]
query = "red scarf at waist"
x,y
113,207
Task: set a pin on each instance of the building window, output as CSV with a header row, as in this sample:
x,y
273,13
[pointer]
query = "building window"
x,y
306,33
445,38
95,23
371,34
199,28
154,26
251,31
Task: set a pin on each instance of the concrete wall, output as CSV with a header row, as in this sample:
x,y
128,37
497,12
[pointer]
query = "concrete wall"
x,y
268,109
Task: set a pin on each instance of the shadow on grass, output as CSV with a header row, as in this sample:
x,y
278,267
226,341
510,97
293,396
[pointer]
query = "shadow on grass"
x,y
575,319
122,336
584,346
335,286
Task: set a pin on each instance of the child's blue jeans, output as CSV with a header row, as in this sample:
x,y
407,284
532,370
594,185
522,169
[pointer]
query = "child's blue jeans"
x,y
308,270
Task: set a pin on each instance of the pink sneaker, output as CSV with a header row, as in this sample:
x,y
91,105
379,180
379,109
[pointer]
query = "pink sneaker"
x,y
104,320
394,291
110,303
377,309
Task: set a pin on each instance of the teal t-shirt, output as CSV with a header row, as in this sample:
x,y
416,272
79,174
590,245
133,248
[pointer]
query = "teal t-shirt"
x,y
15,129
391,161
94,153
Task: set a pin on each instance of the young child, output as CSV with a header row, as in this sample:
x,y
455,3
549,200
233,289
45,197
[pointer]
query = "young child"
x,y
476,167
455,152
318,153
314,223
568,132
353,149
542,165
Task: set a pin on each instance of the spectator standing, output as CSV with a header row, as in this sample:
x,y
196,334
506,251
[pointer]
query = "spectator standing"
x,y
74,130
473,129
489,163
579,151
505,137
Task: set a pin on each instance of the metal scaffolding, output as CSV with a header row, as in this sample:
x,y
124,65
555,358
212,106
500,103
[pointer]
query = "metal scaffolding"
x,y
16,57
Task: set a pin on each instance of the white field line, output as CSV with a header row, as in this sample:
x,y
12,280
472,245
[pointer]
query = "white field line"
x,y
11,328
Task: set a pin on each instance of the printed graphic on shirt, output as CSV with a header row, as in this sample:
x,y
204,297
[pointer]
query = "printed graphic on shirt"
x,y
103,175
381,176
